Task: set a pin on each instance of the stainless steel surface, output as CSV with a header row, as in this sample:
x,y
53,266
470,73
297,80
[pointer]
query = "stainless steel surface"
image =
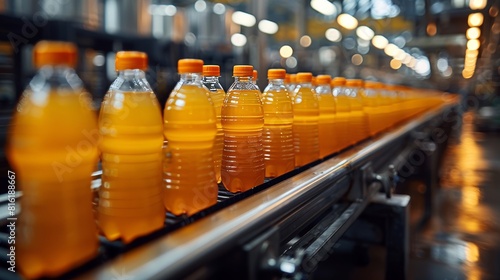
x,y
207,238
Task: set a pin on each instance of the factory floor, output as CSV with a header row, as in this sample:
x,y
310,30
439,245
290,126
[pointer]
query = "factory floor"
x,y
461,240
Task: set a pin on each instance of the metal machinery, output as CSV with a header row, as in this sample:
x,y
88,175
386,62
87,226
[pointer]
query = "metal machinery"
x,y
285,227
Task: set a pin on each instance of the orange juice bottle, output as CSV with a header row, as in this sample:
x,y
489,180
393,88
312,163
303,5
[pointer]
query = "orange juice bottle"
x,y
211,75
327,126
357,117
130,125
278,119
255,77
52,146
305,121
371,97
292,84
342,114
190,127
242,120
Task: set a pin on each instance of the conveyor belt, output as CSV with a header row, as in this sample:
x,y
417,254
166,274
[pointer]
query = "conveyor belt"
x,y
290,202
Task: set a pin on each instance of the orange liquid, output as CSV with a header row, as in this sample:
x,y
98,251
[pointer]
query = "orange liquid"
x,y
190,129
243,158
52,146
217,100
305,126
342,118
357,120
327,125
278,133
130,124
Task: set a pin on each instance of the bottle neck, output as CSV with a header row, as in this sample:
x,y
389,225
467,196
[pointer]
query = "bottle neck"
x,y
131,80
53,76
243,83
305,85
132,73
191,78
211,79
277,82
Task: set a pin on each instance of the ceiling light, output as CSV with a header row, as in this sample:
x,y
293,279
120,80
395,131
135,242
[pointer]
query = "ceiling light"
x,y
380,41
333,35
473,44
475,19
268,27
239,40
324,6
244,19
286,51
305,41
473,33
391,50
477,4
365,33
347,21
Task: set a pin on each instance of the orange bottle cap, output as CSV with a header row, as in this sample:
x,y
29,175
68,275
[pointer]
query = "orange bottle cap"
x,y
276,74
304,77
54,53
293,78
211,70
243,71
354,82
255,75
287,77
371,84
131,60
323,79
189,65
338,81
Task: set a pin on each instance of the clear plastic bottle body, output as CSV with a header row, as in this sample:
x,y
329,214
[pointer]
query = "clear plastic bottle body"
x,y
190,129
217,94
278,147
342,116
242,120
357,117
327,121
372,108
305,124
131,128
52,146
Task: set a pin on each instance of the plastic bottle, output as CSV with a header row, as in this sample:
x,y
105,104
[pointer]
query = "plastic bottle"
x,y
342,114
52,146
327,134
305,121
211,75
278,119
190,129
130,125
292,84
371,106
357,117
242,120
255,78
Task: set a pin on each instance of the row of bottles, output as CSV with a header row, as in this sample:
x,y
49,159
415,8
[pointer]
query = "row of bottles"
x,y
236,138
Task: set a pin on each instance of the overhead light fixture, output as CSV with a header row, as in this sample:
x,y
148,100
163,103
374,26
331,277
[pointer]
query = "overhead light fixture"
x,y
243,18
391,50
268,27
379,41
324,6
365,33
473,44
238,40
333,35
473,33
347,21
475,19
286,51
477,4
395,64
